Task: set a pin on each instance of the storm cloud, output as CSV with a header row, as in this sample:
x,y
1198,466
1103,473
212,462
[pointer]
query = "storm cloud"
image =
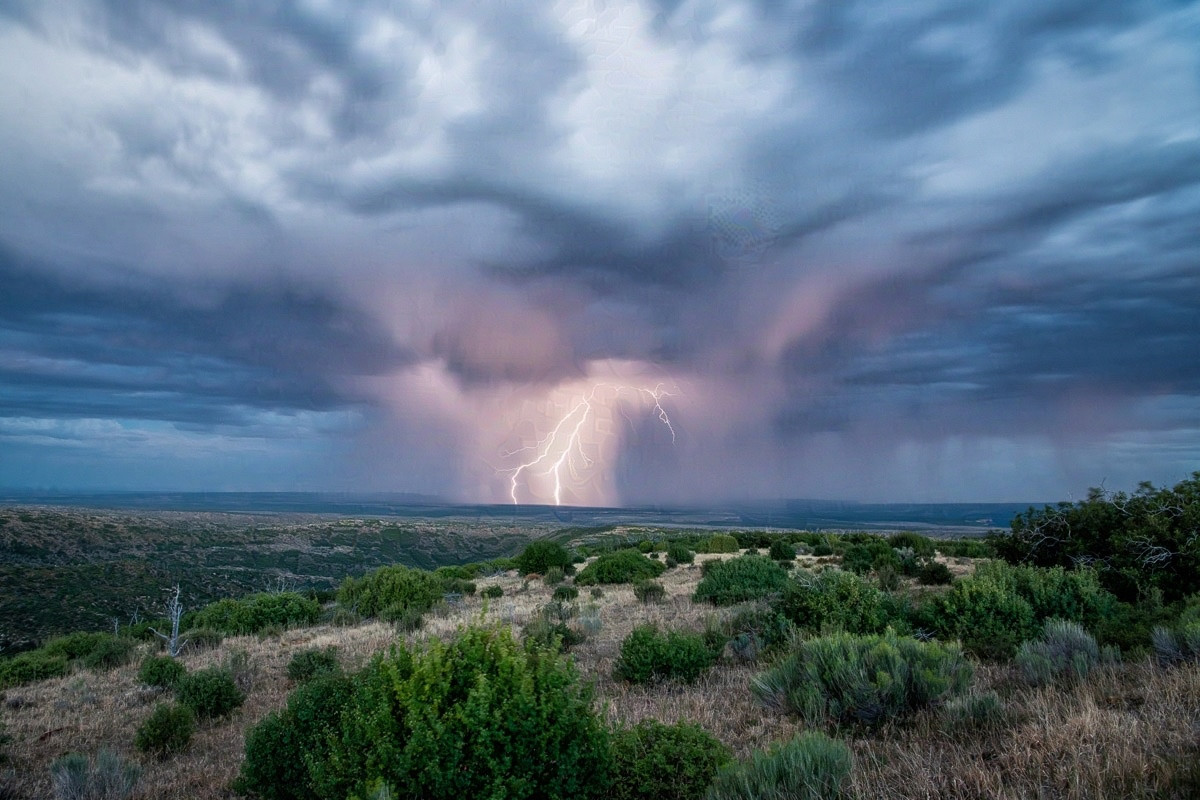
x,y
879,250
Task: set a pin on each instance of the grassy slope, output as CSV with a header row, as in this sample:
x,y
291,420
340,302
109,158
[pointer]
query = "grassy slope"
x,y
66,570
1126,733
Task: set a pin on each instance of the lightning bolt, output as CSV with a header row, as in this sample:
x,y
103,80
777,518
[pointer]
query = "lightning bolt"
x,y
566,439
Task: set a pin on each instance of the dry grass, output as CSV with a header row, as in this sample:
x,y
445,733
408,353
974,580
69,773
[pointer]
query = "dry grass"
x,y
1131,731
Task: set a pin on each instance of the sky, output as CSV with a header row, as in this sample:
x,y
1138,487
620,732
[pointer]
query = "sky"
x,y
601,253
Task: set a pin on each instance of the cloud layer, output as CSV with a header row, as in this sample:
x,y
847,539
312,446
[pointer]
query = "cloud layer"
x,y
928,250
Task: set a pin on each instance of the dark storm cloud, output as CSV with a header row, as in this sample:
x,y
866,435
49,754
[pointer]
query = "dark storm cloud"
x,y
902,215
157,351
915,65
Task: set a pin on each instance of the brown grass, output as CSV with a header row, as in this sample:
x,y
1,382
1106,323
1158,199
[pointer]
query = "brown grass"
x,y
1131,731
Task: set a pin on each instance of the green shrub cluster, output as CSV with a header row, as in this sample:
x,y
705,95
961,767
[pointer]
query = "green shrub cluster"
x,y
492,592
680,553
549,627
209,692
993,611
35,665
863,556
649,655
313,662
1137,542
167,730
257,612
811,766
621,566
749,577
755,631
91,650
843,678
922,546
478,716
538,557
653,761
161,671
720,543
1065,653
782,550
837,600
392,588
934,573
564,594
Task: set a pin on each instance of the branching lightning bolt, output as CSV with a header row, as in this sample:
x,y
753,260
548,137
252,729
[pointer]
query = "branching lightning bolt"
x,y
568,431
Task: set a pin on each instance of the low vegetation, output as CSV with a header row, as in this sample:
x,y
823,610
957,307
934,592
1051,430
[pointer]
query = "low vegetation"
x,y
819,665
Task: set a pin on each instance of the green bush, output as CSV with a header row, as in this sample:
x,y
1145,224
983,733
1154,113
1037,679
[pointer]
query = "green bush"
x,y
406,618
649,591
308,664
864,556
822,549
1052,593
1065,653
565,594
740,579
91,650
392,587
554,576
201,638
161,671
809,767
922,546
755,631
548,627
622,566
782,550
479,716
836,600
167,730
990,620
648,655
680,553
538,557
35,665
966,548
843,678
257,612
280,749
492,592
108,777
209,692
653,761
720,543
934,573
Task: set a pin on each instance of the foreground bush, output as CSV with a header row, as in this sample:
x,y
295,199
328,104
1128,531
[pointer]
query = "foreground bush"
x,y
836,600
161,671
866,680
280,749
755,631
107,777
622,566
649,591
36,665
393,588
648,655
782,550
209,692
1065,653
809,767
257,612
538,557
167,730
740,579
477,717
653,761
